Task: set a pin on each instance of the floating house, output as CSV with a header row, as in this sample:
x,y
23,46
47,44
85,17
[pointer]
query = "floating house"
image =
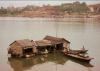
x,y
59,43
28,47
44,46
21,48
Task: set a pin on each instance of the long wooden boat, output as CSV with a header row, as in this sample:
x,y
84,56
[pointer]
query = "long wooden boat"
x,y
83,50
79,57
78,51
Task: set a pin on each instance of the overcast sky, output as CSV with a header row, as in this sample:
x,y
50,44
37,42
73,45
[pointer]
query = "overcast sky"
x,y
18,3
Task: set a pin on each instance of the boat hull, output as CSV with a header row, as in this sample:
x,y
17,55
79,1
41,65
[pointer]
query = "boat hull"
x,y
79,59
77,51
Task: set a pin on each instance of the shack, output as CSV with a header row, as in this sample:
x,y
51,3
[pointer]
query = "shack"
x,y
27,48
59,43
21,48
44,46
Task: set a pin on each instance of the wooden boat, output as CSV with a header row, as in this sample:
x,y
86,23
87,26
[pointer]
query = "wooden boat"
x,y
80,57
78,51
83,50
86,64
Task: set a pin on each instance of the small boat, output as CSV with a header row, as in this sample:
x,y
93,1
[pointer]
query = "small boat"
x,y
83,50
80,57
78,51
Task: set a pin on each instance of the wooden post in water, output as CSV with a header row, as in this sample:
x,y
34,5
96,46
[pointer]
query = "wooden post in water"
x,y
56,29
56,26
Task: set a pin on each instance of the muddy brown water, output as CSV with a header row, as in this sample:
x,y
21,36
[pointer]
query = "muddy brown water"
x,y
78,31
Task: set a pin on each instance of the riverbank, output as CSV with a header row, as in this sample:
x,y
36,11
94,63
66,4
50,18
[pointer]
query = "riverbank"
x,y
50,19
61,16
45,19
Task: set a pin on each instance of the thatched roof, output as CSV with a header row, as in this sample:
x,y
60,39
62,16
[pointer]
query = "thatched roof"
x,y
56,40
24,43
43,43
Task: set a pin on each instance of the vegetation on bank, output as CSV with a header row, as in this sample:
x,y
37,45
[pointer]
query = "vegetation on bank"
x,y
75,9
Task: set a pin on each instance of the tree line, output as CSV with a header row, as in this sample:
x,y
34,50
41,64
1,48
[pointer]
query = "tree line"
x,y
75,7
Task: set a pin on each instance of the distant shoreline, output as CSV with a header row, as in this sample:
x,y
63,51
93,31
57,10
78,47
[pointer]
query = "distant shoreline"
x,y
48,19
66,10
70,16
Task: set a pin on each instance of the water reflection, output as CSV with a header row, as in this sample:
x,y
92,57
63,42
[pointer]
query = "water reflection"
x,y
86,32
21,64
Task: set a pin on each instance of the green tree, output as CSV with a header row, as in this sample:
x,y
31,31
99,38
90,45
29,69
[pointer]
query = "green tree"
x,y
3,10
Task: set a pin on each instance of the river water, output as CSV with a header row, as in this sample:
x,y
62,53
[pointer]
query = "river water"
x,y
78,31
